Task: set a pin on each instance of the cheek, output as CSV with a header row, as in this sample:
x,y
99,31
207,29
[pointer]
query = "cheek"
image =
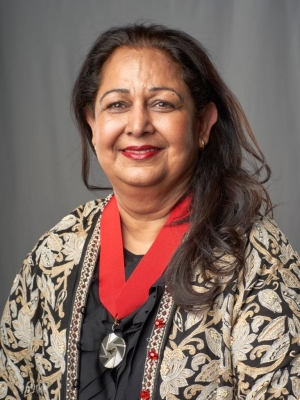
x,y
106,132
176,128
185,135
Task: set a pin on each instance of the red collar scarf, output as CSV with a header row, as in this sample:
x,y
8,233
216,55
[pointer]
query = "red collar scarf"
x,y
122,297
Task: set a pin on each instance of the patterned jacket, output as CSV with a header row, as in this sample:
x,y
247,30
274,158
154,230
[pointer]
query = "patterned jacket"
x,y
245,347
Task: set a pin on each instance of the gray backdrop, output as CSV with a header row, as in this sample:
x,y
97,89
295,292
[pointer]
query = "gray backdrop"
x,y
254,43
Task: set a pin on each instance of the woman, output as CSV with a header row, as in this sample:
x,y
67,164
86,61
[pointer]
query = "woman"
x,y
208,304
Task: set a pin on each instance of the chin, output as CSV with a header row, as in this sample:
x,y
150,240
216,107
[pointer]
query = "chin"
x,y
148,179
142,182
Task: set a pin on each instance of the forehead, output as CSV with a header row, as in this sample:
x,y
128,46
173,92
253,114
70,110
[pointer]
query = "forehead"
x,y
129,65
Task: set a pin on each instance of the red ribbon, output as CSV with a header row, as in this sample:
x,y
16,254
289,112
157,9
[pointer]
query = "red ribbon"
x,y
122,297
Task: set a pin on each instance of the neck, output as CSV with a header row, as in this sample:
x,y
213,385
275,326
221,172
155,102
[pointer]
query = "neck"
x,y
143,216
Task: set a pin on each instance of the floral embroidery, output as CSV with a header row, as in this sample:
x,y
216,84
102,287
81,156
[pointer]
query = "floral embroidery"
x,y
240,348
242,344
173,372
34,324
57,350
73,247
247,346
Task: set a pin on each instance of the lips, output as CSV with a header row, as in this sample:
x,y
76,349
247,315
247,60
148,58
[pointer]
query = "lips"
x,y
141,152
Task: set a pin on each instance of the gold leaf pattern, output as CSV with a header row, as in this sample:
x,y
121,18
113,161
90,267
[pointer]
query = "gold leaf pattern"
x,y
31,333
173,372
57,349
286,253
209,372
66,223
273,330
209,392
279,382
246,339
257,323
292,298
193,319
289,279
270,299
214,341
277,350
296,386
296,365
259,389
242,341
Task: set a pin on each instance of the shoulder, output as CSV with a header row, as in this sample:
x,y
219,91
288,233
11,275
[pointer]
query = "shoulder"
x,y
40,309
270,246
55,259
272,271
65,241
266,231
84,215
81,218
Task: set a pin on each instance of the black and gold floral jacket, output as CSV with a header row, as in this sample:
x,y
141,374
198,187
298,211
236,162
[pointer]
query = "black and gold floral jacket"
x,y
245,347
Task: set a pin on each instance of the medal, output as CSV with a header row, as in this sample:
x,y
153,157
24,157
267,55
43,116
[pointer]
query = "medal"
x,y
121,297
112,349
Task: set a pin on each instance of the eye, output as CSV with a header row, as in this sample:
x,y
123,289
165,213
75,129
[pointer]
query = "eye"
x,y
116,104
163,105
116,107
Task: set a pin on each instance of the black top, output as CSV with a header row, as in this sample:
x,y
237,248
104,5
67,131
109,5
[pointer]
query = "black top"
x,y
124,381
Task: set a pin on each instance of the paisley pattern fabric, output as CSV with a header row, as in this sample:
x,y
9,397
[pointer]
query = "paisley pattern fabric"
x,y
246,346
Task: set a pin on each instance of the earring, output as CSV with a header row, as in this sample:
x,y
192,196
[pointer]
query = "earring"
x,y
202,145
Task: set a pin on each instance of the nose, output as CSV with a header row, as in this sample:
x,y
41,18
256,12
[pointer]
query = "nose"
x,y
139,121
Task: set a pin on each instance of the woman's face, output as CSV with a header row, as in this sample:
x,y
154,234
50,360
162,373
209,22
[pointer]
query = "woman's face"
x,y
145,129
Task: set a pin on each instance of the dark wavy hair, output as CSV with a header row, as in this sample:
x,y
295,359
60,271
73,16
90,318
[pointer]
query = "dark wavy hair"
x,y
227,186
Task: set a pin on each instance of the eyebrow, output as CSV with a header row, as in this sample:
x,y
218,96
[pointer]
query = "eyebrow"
x,y
112,91
154,89
159,88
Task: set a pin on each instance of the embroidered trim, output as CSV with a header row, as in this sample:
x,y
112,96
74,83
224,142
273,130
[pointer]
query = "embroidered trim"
x,y
155,344
76,320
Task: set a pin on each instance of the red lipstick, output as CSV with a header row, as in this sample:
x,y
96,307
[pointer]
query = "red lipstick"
x,y
140,152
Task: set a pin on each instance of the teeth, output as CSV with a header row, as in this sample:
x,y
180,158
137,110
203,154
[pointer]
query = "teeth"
x,y
140,151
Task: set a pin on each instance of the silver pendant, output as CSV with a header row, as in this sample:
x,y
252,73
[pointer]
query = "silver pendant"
x,y
112,350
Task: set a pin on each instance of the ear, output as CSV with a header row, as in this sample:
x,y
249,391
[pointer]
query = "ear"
x,y
207,119
90,119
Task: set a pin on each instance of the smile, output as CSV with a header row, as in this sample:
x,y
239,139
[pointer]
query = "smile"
x,y
141,152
